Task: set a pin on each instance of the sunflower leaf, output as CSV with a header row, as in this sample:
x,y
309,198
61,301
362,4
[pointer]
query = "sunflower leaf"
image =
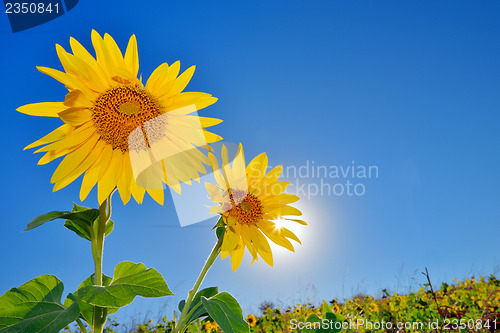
x,y
80,220
196,309
226,311
327,324
87,310
36,307
39,220
129,280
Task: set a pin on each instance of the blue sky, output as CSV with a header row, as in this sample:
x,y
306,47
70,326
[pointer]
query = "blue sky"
x,y
411,88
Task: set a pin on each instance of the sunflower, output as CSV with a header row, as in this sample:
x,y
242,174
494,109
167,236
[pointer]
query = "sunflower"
x,y
119,133
251,320
253,207
211,326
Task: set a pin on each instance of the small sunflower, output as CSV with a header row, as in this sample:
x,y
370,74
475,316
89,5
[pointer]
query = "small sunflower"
x,y
118,132
251,320
211,326
253,207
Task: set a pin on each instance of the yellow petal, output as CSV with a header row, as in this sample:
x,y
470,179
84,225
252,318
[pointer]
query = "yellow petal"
x,y
114,51
285,211
75,116
65,182
74,139
89,180
125,180
74,159
279,200
44,109
217,174
267,256
55,135
80,52
81,69
266,186
103,58
182,81
157,195
231,238
76,98
53,154
137,192
132,56
105,160
237,256
287,233
156,78
164,82
198,99
274,235
108,182
239,164
88,162
207,122
298,221
256,170
69,81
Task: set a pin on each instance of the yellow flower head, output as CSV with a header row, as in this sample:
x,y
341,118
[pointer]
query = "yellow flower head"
x,y
253,207
373,307
118,132
211,326
251,320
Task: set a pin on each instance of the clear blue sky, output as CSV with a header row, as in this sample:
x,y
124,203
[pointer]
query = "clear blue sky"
x,y
410,87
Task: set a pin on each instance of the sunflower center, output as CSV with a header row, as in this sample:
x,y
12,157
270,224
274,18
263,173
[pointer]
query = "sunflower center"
x,y
120,110
129,108
243,206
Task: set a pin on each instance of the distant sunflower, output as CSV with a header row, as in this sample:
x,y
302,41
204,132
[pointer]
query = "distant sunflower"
x,y
211,326
251,203
251,320
115,128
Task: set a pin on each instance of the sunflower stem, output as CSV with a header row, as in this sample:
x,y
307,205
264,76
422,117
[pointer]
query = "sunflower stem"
x,y
80,324
210,261
97,253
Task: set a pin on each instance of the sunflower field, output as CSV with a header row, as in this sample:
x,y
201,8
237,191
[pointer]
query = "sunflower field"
x,y
472,305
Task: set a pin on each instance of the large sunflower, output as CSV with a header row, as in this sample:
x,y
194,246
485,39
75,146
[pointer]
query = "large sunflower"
x,y
116,130
253,207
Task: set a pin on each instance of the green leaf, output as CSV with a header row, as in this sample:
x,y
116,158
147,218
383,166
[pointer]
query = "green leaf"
x,y
226,311
325,325
87,310
196,309
313,319
81,220
110,225
325,308
36,307
129,280
220,231
39,220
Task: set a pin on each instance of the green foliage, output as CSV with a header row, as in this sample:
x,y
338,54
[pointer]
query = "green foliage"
x,y
470,299
81,220
86,309
36,307
196,309
226,311
129,280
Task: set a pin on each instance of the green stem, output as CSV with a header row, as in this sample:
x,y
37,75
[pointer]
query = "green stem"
x,y
97,251
82,327
210,261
